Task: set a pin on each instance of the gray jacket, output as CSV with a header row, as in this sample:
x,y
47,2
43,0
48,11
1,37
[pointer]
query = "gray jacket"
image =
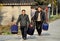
x,y
23,20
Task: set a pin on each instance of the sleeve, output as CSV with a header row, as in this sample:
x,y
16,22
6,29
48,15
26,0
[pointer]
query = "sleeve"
x,y
28,19
19,18
44,16
34,17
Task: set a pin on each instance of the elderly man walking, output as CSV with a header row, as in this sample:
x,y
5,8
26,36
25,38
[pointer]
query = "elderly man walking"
x,y
23,19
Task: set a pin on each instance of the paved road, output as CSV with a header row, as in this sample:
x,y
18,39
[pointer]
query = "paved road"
x,y
53,34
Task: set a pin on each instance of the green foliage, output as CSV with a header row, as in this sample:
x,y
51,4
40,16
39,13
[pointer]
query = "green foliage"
x,y
42,2
55,17
53,2
5,30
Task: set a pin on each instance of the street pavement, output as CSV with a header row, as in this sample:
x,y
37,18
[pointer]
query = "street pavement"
x,y
53,34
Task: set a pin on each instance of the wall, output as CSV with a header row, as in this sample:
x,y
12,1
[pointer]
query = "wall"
x,y
9,11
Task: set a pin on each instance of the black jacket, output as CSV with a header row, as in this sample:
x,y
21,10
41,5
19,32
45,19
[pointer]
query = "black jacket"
x,y
42,16
23,20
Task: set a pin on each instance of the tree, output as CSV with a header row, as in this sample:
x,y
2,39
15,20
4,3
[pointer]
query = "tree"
x,y
54,5
1,13
42,2
46,2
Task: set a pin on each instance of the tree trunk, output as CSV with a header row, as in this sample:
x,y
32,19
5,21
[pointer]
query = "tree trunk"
x,y
52,9
56,10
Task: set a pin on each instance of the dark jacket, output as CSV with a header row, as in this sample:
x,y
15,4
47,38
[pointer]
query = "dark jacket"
x,y
23,20
42,16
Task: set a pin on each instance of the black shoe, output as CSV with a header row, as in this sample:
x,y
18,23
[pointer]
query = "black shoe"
x,y
39,34
24,38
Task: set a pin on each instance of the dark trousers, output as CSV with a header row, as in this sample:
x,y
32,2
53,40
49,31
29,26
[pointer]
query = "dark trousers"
x,y
39,27
24,31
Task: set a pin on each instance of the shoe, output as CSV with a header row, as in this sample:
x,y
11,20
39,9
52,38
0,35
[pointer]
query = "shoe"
x,y
39,34
24,38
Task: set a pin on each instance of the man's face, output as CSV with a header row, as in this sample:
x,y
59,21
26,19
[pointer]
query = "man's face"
x,y
23,12
39,9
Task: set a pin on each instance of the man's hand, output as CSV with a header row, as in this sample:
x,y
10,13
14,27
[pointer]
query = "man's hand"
x,y
13,23
31,25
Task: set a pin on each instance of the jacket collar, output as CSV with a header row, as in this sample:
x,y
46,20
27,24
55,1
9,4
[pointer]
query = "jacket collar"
x,y
23,15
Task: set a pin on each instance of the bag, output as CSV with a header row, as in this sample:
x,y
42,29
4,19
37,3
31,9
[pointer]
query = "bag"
x,y
45,26
14,29
31,29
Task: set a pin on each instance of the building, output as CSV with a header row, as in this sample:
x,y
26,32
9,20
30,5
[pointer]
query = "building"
x,y
11,8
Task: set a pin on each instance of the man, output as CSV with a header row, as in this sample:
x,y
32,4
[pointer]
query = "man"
x,y
46,13
39,18
32,12
23,19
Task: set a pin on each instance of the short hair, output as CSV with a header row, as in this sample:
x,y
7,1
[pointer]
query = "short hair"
x,y
32,7
39,7
23,10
